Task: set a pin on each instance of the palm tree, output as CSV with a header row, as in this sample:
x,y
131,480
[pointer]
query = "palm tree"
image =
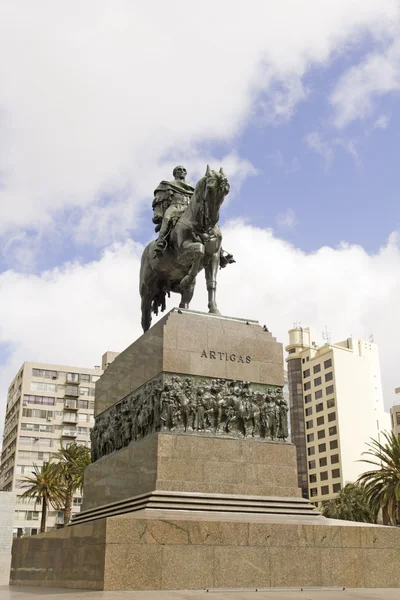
x,y
44,486
351,504
382,485
70,463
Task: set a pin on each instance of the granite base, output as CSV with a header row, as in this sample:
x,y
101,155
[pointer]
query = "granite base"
x,y
158,550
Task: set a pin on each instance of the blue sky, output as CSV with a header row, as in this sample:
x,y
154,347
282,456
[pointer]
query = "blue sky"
x,y
300,104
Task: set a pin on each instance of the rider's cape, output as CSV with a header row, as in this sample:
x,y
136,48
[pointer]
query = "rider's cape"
x,y
162,193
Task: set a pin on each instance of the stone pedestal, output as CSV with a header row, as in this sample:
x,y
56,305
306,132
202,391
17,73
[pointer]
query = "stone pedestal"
x,y
206,501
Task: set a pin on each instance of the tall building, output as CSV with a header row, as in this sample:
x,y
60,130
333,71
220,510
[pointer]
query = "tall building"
x,y
336,406
47,406
395,415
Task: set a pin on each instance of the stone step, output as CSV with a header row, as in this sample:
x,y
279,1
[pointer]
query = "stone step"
x,y
185,501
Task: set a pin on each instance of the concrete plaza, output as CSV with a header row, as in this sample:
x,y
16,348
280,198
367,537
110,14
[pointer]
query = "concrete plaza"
x,y
33,593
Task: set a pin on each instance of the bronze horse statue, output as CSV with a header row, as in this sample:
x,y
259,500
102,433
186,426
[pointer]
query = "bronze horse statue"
x,y
194,244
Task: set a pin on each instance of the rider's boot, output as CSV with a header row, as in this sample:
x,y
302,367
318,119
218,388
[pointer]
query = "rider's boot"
x,y
161,242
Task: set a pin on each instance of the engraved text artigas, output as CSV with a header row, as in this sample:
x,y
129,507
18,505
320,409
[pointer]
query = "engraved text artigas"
x,y
227,356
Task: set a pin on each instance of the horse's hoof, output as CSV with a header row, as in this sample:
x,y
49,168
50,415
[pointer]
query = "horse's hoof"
x,y
214,311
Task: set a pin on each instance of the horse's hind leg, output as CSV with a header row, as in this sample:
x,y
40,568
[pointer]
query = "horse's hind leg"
x,y
146,312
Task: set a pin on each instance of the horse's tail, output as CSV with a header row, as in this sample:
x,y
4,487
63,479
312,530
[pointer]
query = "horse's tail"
x,y
153,298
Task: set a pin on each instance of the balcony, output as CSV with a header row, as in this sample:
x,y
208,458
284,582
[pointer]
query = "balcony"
x,y
70,433
71,404
70,418
72,390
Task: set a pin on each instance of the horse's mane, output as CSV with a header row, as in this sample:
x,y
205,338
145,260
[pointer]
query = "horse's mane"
x,y
199,189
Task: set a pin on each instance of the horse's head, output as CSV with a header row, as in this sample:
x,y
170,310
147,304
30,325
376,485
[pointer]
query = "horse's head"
x,y
216,183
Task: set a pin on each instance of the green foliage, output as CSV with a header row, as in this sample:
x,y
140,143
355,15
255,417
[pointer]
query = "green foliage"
x,y
351,504
382,485
44,486
70,464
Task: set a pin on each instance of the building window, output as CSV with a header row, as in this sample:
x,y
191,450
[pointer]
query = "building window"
x,y
318,394
83,404
322,448
319,407
323,461
321,434
313,492
324,475
40,386
330,403
77,501
311,451
44,373
320,421
73,377
329,389
310,437
332,417
308,411
309,424
336,487
85,377
313,478
307,399
335,473
329,376
292,350
45,400
316,369
398,418
311,464
306,373
317,381
328,363
303,360
36,427
324,490
333,444
333,430
84,391
307,386
334,459
307,358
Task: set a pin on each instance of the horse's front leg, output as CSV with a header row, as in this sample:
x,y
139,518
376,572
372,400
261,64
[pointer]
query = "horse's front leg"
x,y
196,251
211,270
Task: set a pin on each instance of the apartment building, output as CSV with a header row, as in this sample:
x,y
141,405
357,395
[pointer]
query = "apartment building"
x,y
47,406
395,414
336,406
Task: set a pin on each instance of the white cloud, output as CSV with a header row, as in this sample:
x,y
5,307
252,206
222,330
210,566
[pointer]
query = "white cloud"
x,y
382,122
73,314
287,218
326,147
289,166
96,97
315,141
357,89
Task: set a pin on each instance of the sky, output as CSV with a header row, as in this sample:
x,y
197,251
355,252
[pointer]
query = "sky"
x,y
298,101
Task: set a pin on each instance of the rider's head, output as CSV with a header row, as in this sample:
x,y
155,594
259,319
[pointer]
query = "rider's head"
x,y
179,173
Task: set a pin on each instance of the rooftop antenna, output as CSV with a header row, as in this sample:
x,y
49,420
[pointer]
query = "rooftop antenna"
x,y
326,335
371,338
296,325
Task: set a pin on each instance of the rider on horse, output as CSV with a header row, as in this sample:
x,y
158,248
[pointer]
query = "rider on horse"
x,y
171,199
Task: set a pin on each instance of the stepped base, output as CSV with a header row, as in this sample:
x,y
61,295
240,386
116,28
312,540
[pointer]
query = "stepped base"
x,y
164,549
192,502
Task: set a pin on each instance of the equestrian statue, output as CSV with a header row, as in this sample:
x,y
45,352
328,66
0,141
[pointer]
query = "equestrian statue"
x,y
189,240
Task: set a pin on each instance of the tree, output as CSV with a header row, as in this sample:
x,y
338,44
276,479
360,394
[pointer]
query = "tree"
x,y
351,504
382,485
44,486
70,463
